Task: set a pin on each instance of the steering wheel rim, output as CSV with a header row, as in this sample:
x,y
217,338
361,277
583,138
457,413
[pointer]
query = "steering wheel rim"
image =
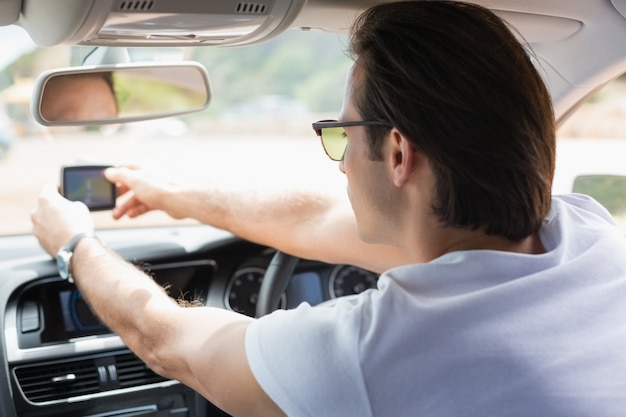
x,y
275,282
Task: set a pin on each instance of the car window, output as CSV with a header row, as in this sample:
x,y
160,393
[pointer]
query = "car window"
x,y
591,149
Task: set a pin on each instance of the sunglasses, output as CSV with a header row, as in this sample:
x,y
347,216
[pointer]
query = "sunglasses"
x,y
334,138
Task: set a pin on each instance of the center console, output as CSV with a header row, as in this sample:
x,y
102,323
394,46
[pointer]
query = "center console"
x,y
63,361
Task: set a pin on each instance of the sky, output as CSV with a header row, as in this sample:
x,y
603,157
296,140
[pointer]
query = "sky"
x,y
14,41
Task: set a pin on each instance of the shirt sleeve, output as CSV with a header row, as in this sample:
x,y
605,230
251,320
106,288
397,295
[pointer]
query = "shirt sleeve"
x,y
307,360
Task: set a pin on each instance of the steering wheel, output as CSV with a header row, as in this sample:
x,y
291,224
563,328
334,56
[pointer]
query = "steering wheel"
x,y
275,282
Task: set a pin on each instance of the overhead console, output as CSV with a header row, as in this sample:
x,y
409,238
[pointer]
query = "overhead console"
x,y
156,22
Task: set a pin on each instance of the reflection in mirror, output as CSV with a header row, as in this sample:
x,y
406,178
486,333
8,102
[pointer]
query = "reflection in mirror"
x,y
609,190
115,94
79,97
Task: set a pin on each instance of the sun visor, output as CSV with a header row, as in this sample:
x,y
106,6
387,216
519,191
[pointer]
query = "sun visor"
x,y
156,22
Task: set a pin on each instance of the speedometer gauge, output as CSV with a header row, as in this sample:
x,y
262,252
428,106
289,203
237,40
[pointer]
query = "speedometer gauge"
x,y
243,289
348,280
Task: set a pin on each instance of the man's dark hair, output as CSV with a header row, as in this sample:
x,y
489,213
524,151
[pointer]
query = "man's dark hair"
x,y
457,83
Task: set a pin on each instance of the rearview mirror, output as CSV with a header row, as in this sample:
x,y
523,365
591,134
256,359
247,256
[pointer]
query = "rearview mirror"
x,y
119,93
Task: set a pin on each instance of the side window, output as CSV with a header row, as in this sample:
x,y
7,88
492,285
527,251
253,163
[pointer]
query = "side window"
x,y
591,150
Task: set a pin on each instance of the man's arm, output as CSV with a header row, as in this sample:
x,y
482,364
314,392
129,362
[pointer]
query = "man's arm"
x,y
202,347
307,224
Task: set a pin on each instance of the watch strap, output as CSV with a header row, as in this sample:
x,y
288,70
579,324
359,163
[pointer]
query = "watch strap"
x,y
71,245
68,249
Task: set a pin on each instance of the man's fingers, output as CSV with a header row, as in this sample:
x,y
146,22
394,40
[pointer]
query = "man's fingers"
x,y
131,208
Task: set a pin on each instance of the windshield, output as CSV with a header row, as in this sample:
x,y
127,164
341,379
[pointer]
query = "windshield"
x,y
256,130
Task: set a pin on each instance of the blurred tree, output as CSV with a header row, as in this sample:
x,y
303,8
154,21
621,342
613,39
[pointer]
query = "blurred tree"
x,y
310,66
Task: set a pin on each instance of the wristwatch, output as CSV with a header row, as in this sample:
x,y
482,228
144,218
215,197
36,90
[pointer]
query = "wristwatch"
x,y
64,256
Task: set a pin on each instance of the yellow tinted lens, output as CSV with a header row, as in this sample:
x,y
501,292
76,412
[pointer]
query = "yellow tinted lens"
x,y
335,141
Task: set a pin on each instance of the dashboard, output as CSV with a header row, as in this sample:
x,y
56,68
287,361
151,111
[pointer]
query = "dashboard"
x,y
60,359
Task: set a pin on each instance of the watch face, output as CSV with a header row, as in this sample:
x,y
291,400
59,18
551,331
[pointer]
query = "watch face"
x,y
63,263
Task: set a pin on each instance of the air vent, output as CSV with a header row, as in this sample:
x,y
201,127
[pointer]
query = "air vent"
x,y
55,381
136,5
251,8
133,372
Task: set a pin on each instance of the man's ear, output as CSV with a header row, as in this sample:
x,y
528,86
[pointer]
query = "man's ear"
x,y
404,157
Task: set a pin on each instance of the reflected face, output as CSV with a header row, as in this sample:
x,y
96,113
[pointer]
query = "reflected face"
x,y
84,97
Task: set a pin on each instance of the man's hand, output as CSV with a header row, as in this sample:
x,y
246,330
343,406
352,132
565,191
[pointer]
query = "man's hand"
x,y
56,219
142,192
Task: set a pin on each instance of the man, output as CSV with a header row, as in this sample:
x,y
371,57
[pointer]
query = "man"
x,y
507,303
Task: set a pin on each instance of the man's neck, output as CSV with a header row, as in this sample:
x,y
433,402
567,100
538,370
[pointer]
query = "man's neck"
x,y
453,240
